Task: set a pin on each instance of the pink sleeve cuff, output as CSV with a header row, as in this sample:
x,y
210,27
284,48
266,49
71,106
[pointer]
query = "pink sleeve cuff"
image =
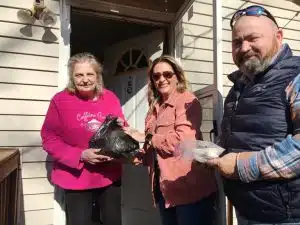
x,y
71,158
78,163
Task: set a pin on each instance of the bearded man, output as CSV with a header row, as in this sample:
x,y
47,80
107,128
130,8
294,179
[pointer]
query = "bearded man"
x,y
261,123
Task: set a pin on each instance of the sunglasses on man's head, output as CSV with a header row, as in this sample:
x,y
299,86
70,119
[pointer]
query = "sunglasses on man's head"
x,y
254,10
165,74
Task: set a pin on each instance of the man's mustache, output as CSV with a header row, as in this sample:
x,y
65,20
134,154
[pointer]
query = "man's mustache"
x,y
245,56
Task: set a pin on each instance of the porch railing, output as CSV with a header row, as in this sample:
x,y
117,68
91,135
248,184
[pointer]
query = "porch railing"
x,y
9,182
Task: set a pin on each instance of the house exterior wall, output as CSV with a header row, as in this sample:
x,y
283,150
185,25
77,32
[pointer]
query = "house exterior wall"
x,y
28,80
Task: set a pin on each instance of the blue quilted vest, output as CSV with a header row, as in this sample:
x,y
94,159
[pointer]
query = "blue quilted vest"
x,y
255,116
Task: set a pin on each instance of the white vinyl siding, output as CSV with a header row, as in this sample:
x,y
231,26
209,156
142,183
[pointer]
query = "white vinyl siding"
x,y
28,79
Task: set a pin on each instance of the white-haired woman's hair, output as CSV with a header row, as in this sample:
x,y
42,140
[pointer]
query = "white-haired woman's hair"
x,y
85,57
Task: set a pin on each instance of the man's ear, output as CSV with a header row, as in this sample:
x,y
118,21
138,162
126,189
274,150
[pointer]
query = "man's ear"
x,y
279,35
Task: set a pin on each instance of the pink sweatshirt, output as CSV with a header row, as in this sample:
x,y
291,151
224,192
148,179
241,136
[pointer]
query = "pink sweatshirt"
x,y
68,126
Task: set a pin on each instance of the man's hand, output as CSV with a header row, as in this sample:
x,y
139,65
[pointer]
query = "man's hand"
x,y
93,157
226,165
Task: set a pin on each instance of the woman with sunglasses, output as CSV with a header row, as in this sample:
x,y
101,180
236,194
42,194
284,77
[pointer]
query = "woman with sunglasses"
x,y
184,192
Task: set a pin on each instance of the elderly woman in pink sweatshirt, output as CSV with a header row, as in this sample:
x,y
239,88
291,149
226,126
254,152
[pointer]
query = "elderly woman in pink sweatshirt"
x,y
91,181
184,192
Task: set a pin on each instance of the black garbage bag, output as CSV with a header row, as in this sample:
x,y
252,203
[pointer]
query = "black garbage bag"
x,y
113,141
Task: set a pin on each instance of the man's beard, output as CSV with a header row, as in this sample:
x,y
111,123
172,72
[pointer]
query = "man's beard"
x,y
251,67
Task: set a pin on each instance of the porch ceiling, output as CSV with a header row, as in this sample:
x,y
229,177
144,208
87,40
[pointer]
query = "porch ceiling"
x,y
171,6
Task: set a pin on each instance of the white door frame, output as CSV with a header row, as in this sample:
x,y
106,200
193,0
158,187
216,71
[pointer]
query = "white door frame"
x,y
59,217
64,43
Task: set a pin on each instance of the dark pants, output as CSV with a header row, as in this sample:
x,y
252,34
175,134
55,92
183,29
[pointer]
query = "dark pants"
x,y
199,213
95,206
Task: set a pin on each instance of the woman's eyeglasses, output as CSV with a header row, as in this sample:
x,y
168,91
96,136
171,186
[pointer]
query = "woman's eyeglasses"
x,y
165,74
254,10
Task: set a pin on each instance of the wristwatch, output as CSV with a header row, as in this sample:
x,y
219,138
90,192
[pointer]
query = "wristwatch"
x,y
148,138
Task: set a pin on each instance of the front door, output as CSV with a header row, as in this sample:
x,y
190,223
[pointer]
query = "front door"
x,y
126,65
131,88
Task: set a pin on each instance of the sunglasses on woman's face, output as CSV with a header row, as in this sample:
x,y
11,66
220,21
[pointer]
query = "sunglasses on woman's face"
x,y
165,74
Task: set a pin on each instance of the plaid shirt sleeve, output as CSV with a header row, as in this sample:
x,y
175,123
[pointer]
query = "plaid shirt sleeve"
x,y
282,160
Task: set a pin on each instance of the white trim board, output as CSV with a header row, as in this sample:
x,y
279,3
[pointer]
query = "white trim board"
x,y
59,217
64,43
